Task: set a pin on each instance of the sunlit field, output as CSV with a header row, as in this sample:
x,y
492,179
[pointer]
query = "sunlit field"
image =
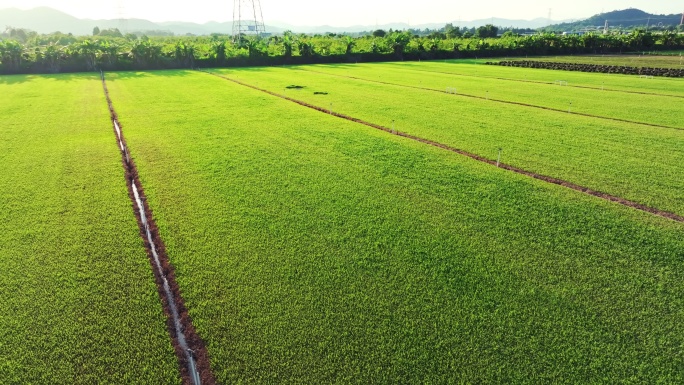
x,y
312,247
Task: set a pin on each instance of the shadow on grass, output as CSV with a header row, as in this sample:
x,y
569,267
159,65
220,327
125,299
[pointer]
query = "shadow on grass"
x,y
349,66
19,79
123,75
69,77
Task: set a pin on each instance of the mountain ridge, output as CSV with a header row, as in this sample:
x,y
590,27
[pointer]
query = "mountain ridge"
x,y
625,18
49,20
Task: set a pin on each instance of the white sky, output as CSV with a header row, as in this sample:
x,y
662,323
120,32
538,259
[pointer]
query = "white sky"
x,y
348,12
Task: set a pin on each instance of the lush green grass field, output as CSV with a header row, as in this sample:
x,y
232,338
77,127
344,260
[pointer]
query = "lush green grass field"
x,y
78,304
651,109
597,81
633,161
314,250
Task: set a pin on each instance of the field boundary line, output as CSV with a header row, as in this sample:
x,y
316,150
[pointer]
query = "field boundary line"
x,y
190,349
545,178
546,83
497,100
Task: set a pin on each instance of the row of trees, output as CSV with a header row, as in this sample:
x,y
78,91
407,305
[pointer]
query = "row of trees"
x,y
451,32
66,53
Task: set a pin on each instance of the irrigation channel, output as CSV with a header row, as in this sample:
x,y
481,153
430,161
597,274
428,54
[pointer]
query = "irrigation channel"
x,y
189,347
453,92
497,163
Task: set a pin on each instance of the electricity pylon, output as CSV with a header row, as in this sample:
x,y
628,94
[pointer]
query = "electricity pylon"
x,y
123,20
247,19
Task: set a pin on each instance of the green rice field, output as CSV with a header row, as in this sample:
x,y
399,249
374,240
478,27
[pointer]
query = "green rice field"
x,y
78,302
313,249
602,82
653,108
589,151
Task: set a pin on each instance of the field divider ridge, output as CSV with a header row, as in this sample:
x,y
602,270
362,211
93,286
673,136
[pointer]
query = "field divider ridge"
x,y
548,83
564,111
190,349
479,158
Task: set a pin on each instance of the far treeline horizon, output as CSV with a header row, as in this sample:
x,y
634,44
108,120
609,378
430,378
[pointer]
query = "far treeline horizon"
x,y
24,51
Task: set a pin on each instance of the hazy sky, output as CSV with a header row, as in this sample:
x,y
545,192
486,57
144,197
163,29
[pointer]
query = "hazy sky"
x,y
348,12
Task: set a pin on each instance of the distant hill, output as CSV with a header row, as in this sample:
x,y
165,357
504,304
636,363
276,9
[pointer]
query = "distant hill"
x,y
42,20
48,20
626,18
535,23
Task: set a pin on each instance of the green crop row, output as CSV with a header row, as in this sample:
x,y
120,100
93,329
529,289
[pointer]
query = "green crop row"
x,y
672,59
310,249
78,302
650,109
632,161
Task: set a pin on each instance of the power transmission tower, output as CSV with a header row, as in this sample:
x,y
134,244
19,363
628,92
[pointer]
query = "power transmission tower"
x,y
123,20
247,19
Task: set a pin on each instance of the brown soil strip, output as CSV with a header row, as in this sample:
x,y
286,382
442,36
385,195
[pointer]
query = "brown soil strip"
x,y
551,84
593,68
545,178
192,339
497,100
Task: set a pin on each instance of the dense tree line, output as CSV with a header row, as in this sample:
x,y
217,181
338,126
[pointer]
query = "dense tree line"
x,y
28,52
